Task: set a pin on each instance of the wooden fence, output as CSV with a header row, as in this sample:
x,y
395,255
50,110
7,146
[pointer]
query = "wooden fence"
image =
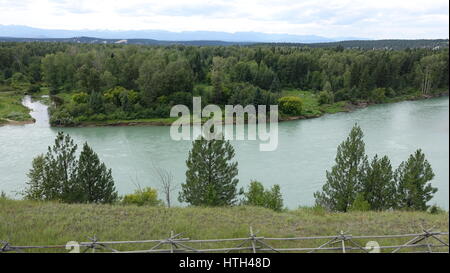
x,y
426,241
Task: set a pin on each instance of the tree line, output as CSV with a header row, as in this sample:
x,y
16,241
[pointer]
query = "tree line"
x,y
354,182
132,81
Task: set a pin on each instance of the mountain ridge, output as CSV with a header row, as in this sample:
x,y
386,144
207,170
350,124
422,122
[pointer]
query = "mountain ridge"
x,y
19,31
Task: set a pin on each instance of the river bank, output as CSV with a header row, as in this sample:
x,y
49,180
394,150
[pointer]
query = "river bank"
x,y
316,112
12,109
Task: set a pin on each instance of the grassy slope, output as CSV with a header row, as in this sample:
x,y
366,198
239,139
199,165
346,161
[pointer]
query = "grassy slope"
x,y
11,107
34,223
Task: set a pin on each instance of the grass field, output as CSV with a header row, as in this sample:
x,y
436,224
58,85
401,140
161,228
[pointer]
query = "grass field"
x,y
47,223
11,108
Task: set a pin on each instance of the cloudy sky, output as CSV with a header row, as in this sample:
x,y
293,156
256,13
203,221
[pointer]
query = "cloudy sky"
x,y
330,18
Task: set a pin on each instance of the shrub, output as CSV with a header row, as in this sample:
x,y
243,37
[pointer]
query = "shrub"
x,y
80,98
61,118
360,204
435,210
378,95
34,88
143,197
326,97
292,106
260,197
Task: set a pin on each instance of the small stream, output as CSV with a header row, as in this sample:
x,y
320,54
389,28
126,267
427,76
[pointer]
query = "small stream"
x,y
39,111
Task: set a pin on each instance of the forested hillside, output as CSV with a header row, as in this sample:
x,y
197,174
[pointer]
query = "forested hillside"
x,y
101,82
380,44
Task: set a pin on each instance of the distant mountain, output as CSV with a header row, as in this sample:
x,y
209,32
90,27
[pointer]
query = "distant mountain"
x,y
202,38
162,35
370,44
94,40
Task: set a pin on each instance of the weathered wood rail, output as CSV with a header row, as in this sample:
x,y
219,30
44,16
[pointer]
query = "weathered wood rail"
x,y
426,241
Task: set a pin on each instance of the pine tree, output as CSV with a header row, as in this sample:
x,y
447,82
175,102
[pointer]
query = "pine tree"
x,y
412,177
275,86
60,169
378,186
37,179
211,175
94,179
344,180
58,175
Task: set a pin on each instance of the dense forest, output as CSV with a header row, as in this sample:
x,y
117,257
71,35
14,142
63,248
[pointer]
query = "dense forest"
x,y
98,82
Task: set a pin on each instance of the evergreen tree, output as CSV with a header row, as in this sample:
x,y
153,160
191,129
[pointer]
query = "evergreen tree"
x,y
275,85
378,187
60,169
211,175
412,177
36,189
344,180
94,179
58,175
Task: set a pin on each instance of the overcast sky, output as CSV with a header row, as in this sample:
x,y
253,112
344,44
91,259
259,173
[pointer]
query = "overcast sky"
x,y
330,18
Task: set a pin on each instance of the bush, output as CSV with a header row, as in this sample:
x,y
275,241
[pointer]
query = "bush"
x,y
34,88
378,95
435,210
260,197
326,97
143,197
61,118
292,106
80,98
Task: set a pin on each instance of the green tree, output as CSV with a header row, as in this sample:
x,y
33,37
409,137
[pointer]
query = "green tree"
x,y
58,175
211,175
412,177
344,180
53,176
36,185
378,95
94,179
326,97
378,186
218,80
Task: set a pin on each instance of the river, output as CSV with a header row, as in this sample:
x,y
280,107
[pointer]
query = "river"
x,y
306,148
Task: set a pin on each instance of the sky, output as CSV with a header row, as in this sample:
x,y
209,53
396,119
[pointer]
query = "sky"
x,y
379,19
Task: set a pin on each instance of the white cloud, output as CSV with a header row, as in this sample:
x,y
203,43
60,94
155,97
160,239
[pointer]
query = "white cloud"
x,y
332,18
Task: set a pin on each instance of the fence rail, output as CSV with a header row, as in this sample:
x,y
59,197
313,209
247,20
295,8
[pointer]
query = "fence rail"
x,y
426,241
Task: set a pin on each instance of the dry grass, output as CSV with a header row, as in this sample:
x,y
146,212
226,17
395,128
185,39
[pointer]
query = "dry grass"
x,y
35,223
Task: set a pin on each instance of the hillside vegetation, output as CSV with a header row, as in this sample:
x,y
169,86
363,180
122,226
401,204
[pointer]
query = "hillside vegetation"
x,y
11,108
48,223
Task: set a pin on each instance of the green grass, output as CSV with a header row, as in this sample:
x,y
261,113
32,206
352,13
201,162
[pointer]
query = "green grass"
x,y
48,223
11,107
311,106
